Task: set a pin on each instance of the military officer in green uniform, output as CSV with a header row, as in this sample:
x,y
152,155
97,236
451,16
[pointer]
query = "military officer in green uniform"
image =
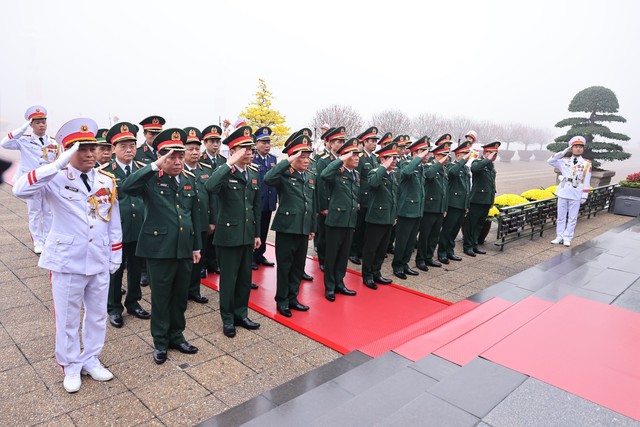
x,y
123,138
170,238
202,172
343,187
238,228
211,136
381,216
483,191
410,207
435,204
151,127
368,162
294,221
104,150
335,138
458,202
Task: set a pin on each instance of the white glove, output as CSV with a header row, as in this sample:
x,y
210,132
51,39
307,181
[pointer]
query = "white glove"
x,y
64,158
20,131
113,267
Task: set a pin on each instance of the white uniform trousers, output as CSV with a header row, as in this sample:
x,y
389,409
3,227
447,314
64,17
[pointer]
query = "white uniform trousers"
x,y
70,292
40,218
567,208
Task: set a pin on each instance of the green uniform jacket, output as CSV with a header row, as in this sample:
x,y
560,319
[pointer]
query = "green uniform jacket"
x,y
435,188
483,190
171,216
238,221
214,162
131,207
323,193
411,189
367,164
296,210
344,190
206,203
459,184
382,206
145,155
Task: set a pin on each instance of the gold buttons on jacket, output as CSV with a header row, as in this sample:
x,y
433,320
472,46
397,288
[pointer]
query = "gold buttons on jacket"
x,y
155,233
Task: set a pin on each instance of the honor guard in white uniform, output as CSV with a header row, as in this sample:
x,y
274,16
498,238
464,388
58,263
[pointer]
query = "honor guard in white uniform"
x,y
83,247
573,189
36,150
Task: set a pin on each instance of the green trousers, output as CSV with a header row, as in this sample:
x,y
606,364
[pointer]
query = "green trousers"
x,y
473,223
376,240
358,236
235,281
169,293
291,256
430,226
335,266
450,228
406,232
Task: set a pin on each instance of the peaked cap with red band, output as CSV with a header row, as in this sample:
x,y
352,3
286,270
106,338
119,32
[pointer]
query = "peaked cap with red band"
x,y
386,138
35,112
473,135
443,148
212,132
241,137
421,144
194,136
123,131
304,131
327,132
299,143
445,137
82,130
492,146
425,139
402,140
388,150
101,137
153,124
336,133
371,133
577,140
350,146
170,139
463,147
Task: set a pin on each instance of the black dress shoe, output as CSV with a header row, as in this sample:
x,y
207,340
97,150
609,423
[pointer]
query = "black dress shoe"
x,y
479,251
305,276
369,283
199,299
431,263
229,330
410,272
247,323
254,286
140,313
382,280
116,320
159,356
284,311
454,258
266,262
347,291
254,266
354,259
298,307
330,296
443,260
400,275
469,252
321,267
203,273
185,348
422,266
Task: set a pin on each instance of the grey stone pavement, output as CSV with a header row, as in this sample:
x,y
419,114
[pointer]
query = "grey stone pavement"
x,y
189,389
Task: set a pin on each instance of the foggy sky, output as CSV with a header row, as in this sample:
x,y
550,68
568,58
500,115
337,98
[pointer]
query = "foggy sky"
x,y
193,62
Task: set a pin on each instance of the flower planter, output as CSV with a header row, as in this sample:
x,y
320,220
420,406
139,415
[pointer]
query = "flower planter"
x,y
626,201
541,155
506,155
525,155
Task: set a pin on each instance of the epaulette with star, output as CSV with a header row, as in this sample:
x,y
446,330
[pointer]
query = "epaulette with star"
x,y
109,174
102,166
205,165
361,153
188,173
140,164
254,167
326,156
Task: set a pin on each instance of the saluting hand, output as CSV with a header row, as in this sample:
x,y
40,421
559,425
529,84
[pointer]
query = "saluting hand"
x,y
345,157
293,157
163,159
236,156
64,158
387,163
423,154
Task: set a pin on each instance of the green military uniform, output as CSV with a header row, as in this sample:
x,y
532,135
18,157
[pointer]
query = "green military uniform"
x,y
294,220
368,162
147,154
435,206
131,218
410,208
238,225
344,187
380,218
483,192
169,237
458,204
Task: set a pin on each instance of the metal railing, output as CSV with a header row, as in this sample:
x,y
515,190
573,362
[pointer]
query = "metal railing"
x,y
529,219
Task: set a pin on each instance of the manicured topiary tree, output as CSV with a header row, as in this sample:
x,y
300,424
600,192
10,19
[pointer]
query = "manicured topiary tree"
x,y
600,103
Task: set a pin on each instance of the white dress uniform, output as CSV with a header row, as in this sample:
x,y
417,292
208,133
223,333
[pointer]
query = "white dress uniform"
x,y
573,190
83,245
34,152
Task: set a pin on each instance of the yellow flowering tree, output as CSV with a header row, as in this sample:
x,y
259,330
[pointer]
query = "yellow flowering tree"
x,y
260,113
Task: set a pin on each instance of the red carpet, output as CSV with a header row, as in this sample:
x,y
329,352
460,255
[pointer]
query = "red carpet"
x,y
349,323
584,347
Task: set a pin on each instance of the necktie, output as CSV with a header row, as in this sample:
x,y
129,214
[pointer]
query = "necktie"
x,y
304,177
575,160
246,175
85,179
127,170
353,173
41,140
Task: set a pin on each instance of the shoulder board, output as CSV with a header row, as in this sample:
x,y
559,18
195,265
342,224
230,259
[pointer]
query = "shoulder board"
x,y
205,165
356,171
52,138
311,172
254,167
140,164
313,159
103,166
361,154
186,172
109,174
325,156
